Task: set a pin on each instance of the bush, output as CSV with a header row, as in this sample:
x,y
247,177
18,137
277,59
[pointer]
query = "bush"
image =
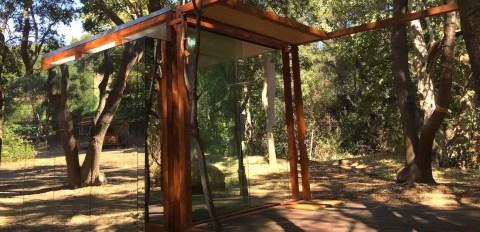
x,y
15,148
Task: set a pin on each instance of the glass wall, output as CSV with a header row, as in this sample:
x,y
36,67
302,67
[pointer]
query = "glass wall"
x,y
50,147
233,123
52,124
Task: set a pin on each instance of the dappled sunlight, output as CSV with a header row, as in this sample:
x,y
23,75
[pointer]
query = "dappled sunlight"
x,y
264,180
372,179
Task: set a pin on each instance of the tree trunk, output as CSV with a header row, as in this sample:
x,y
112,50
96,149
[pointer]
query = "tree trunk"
x,y
1,120
91,175
424,61
268,101
57,96
90,170
470,23
102,87
235,92
419,169
24,44
432,125
2,100
195,132
404,88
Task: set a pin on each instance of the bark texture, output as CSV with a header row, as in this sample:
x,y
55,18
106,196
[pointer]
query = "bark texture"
x,y
470,23
419,167
90,171
404,88
57,97
431,126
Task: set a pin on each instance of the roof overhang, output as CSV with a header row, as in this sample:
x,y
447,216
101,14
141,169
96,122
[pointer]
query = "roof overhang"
x,y
153,25
245,22
227,17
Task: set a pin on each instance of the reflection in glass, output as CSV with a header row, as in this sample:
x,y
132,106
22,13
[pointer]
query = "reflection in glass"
x,y
232,124
35,194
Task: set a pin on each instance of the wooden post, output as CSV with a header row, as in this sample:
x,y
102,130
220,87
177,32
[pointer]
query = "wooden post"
x,y
175,127
182,124
300,123
166,123
292,154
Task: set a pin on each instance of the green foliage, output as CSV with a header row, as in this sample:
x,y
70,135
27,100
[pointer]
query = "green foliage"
x,y
15,147
82,99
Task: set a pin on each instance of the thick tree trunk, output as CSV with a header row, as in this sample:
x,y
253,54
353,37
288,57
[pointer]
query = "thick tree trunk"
x,y
404,87
91,175
434,122
419,169
57,96
470,23
424,60
268,101
90,171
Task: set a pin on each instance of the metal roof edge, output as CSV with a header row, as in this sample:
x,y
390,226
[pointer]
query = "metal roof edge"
x,y
110,31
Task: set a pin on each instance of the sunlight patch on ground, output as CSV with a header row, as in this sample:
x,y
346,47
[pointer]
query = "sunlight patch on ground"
x,y
372,179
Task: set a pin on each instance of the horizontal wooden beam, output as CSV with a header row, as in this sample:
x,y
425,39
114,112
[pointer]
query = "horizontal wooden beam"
x,y
115,38
185,8
393,21
221,28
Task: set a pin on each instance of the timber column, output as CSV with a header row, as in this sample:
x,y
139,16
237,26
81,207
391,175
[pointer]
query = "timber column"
x,y
300,123
292,154
175,139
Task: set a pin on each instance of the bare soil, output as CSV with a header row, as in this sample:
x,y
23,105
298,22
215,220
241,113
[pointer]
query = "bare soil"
x,y
34,197
371,179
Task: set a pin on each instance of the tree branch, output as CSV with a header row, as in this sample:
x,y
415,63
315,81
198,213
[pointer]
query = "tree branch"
x,y
110,14
24,42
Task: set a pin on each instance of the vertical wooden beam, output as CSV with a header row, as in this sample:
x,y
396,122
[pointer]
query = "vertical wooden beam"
x,y
182,125
300,123
166,122
177,127
292,154
175,138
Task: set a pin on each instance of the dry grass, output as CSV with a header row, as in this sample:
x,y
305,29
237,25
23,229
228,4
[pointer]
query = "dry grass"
x,y
264,181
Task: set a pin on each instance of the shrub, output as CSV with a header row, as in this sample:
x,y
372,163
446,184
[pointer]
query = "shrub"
x,y
15,148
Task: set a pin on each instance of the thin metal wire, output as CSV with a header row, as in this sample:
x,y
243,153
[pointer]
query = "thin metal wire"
x,y
54,177
24,180
138,196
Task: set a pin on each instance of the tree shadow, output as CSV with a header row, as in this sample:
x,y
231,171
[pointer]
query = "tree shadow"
x,y
356,217
34,197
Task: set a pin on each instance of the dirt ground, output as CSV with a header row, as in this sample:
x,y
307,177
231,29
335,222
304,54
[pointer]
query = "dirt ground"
x,y
33,196
371,179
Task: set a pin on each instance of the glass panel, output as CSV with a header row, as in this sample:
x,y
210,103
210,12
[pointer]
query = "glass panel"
x,y
268,177
116,206
232,123
35,194
153,192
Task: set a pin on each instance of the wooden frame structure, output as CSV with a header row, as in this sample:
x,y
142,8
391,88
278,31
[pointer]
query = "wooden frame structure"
x,y
249,24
